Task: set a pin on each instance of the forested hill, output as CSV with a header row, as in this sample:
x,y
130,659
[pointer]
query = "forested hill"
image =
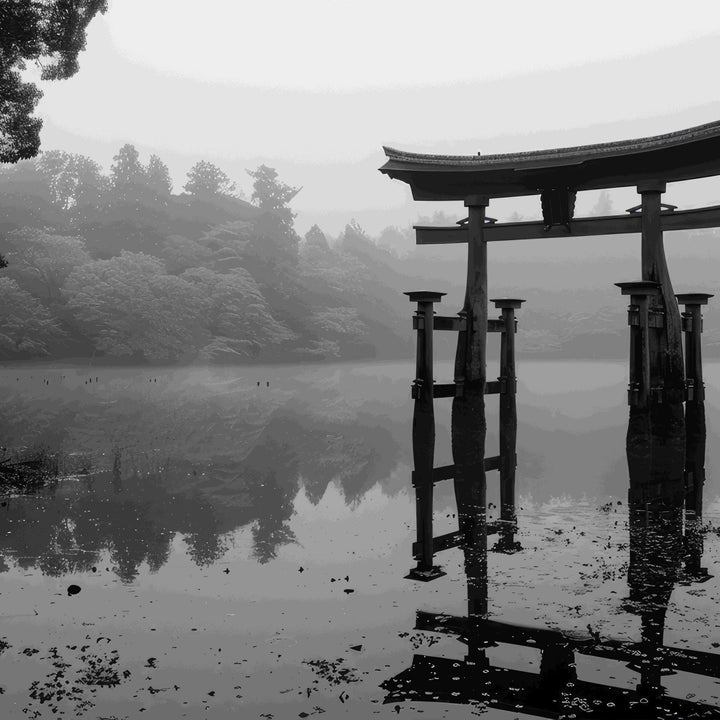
x,y
117,267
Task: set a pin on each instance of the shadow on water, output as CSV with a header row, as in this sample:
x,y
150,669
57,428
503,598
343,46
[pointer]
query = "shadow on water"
x,y
75,525
666,547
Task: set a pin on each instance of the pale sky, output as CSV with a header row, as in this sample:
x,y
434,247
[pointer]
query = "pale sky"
x,y
315,88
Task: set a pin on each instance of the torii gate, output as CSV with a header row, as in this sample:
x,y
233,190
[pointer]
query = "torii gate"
x,y
659,383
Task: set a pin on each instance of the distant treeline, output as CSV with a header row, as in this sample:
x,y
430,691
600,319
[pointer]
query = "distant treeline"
x,y
117,265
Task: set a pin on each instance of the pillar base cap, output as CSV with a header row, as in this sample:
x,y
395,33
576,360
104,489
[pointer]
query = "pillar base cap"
x,y
639,287
425,575
507,548
514,303
424,296
694,298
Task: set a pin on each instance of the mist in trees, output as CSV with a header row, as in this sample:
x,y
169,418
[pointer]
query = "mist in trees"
x,y
115,264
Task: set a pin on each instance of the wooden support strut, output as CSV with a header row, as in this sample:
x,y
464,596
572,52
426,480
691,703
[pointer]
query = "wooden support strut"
x,y
508,425
425,547
423,434
639,388
692,325
695,427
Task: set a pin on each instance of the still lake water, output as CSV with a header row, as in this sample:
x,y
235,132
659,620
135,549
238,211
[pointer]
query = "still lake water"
x,y
246,556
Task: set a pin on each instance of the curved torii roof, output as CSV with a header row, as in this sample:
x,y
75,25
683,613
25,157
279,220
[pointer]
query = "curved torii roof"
x,y
682,155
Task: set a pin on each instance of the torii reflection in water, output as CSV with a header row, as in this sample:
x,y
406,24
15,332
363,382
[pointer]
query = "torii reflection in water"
x,y
661,556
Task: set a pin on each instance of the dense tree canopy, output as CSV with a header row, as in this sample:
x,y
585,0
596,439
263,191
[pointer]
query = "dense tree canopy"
x,y
50,33
44,260
74,180
128,177
26,327
158,177
206,181
115,263
134,308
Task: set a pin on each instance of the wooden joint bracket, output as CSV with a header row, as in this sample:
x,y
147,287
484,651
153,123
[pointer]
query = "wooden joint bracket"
x,y
694,392
415,388
444,390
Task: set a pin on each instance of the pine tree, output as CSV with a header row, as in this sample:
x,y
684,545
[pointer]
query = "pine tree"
x,y
128,177
272,195
158,177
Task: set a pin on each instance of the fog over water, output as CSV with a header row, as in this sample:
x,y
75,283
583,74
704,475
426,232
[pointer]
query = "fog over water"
x,y
247,552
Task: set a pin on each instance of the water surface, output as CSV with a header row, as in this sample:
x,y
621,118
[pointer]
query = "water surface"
x,y
240,547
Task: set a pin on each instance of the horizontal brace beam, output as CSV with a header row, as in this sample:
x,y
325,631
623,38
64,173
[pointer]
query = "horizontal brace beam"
x,y
455,389
445,390
449,472
440,543
451,540
490,630
579,227
691,661
427,235
442,322
440,390
445,472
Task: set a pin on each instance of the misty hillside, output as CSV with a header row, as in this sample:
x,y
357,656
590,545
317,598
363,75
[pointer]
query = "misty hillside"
x,y
118,266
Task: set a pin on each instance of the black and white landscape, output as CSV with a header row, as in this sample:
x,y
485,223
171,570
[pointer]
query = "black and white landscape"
x,y
207,440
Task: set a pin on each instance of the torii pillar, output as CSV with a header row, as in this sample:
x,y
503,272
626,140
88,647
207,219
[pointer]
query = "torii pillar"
x,y
658,423
468,410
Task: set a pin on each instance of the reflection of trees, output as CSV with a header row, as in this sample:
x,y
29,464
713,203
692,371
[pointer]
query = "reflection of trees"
x,y
297,445
70,531
68,527
271,529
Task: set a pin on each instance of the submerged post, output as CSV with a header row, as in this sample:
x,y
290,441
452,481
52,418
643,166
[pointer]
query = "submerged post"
x,y
468,410
423,434
508,425
695,430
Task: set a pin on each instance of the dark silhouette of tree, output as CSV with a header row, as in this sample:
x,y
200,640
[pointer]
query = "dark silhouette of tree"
x,y
268,192
74,180
206,181
315,238
50,33
272,528
272,195
158,177
128,177
275,242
